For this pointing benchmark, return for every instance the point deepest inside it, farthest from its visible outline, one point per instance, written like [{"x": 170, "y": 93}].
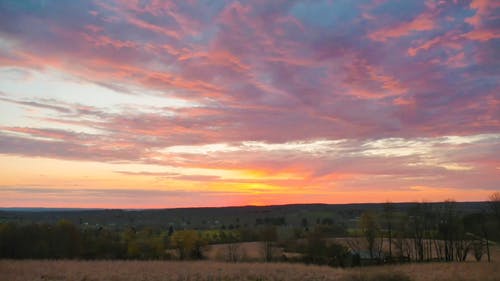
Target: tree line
[
  {"x": 424, "y": 232},
  {"x": 65, "y": 240},
  {"x": 428, "y": 233}
]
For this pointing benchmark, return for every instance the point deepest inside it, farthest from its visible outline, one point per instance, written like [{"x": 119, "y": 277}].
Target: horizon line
[{"x": 237, "y": 206}]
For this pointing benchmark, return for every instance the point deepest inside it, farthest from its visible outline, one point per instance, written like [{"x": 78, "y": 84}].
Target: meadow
[{"x": 28, "y": 270}]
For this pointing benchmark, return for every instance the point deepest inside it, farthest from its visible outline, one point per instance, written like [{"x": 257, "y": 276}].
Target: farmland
[{"x": 335, "y": 235}]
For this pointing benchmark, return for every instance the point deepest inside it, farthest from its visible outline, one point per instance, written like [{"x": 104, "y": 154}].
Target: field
[{"x": 207, "y": 270}]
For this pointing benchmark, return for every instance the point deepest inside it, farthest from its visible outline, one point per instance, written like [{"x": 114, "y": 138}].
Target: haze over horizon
[{"x": 162, "y": 104}]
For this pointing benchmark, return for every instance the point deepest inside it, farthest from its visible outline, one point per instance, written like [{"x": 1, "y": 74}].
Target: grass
[
  {"x": 378, "y": 276},
  {"x": 214, "y": 271}
]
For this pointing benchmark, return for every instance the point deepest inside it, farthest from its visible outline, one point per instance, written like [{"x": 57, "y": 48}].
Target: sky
[{"x": 159, "y": 104}]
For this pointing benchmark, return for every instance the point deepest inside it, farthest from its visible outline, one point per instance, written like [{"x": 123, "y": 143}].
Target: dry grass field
[
  {"x": 245, "y": 251},
  {"x": 207, "y": 270}
]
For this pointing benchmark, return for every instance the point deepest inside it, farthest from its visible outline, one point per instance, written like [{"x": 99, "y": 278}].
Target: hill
[{"x": 214, "y": 218}]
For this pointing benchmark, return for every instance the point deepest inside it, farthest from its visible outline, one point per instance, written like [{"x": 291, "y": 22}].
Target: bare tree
[
  {"x": 233, "y": 251},
  {"x": 494, "y": 204},
  {"x": 370, "y": 229},
  {"x": 417, "y": 230},
  {"x": 389, "y": 219},
  {"x": 484, "y": 229},
  {"x": 269, "y": 236},
  {"x": 478, "y": 249}
]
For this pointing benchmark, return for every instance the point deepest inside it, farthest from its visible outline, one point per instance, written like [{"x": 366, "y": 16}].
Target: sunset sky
[{"x": 156, "y": 104}]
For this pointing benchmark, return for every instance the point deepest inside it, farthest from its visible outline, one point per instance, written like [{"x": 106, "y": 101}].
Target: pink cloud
[
  {"x": 482, "y": 35},
  {"x": 422, "y": 22},
  {"x": 484, "y": 9}
]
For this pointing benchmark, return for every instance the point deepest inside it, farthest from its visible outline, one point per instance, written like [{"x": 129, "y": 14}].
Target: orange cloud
[
  {"x": 482, "y": 35},
  {"x": 370, "y": 82},
  {"x": 422, "y": 22},
  {"x": 483, "y": 10}
]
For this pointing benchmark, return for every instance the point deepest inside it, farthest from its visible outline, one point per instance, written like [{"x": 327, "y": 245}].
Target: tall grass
[
  {"x": 377, "y": 276},
  {"x": 215, "y": 271}
]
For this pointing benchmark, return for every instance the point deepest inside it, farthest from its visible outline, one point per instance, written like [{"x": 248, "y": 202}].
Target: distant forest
[{"x": 336, "y": 235}]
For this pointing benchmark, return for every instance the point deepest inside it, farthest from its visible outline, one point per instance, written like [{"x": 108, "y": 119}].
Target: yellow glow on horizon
[
  {"x": 25, "y": 171},
  {"x": 229, "y": 187}
]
